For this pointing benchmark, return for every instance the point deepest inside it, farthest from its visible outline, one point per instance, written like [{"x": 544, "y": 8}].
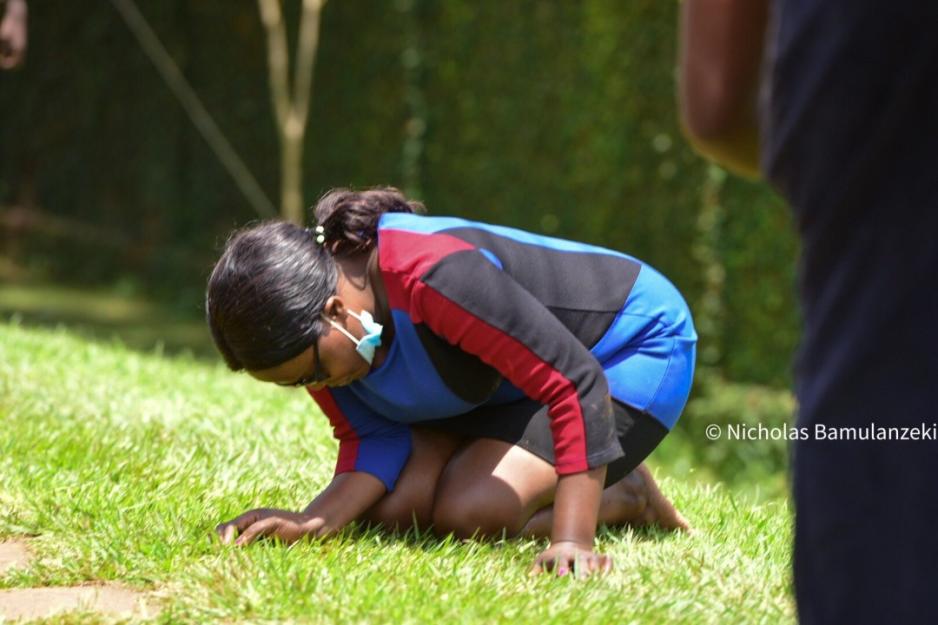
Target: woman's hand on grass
[
  {"x": 576, "y": 509},
  {"x": 565, "y": 557},
  {"x": 282, "y": 525},
  {"x": 345, "y": 499}
]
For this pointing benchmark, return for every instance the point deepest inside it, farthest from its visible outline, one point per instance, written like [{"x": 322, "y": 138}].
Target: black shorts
[{"x": 525, "y": 423}]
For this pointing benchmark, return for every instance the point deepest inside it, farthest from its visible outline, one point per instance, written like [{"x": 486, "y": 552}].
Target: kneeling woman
[{"x": 479, "y": 378}]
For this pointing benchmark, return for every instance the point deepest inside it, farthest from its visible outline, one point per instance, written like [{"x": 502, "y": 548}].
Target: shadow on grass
[
  {"x": 137, "y": 323},
  {"x": 426, "y": 540}
]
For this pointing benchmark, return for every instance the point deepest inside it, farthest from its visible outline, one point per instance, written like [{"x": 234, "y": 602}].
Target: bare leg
[
  {"x": 633, "y": 500},
  {"x": 492, "y": 488},
  {"x": 412, "y": 498}
]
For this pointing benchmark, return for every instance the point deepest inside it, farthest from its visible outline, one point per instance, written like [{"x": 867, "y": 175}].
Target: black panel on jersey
[
  {"x": 468, "y": 279},
  {"x": 469, "y": 378},
  {"x": 585, "y": 291},
  {"x": 525, "y": 423}
]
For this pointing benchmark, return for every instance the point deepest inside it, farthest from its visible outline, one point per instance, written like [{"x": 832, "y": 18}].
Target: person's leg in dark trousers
[{"x": 866, "y": 548}]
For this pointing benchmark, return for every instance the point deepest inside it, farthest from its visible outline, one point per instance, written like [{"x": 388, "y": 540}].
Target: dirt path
[
  {"x": 32, "y": 603},
  {"x": 12, "y": 553}
]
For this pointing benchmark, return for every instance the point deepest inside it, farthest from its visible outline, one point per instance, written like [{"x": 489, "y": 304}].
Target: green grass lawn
[
  {"x": 104, "y": 313},
  {"x": 121, "y": 463}
]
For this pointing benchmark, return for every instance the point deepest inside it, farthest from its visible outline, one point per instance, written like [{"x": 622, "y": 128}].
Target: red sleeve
[{"x": 473, "y": 304}]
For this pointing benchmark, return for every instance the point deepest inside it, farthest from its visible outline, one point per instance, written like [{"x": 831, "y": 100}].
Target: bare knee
[
  {"x": 468, "y": 521},
  {"x": 411, "y": 502},
  {"x": 402, "y": 512},
  {"x": 490, "y": 488},
  {"x": 468, "y": 513}
]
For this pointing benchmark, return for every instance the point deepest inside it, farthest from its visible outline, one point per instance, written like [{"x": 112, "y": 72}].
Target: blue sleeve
[{"x": 368, "y": 442}]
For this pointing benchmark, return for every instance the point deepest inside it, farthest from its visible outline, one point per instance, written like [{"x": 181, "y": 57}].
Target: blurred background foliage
[{"x": 558, "y": 117}]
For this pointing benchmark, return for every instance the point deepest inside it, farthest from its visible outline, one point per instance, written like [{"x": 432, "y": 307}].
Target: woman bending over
[{"x": 478, "y": 378}]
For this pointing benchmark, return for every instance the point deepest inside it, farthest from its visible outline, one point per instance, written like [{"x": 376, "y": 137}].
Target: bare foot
[
  {"x": 634, "y": 500},
  {"x": 638, "y": 501}
]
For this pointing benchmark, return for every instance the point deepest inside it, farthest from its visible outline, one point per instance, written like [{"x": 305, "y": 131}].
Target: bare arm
[
  {"x": 576, "y": 512},
  {"x": 576, "y": 506},
  {"x": 720, "y": 59},
  {"x": 346, "y": 498},
  {"x": 13, "y": 34}
]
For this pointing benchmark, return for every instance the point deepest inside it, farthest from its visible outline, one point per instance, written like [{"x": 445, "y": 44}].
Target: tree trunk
[
  {"x": 291, "y": 106},
  {"x": 291, "y": 174}
]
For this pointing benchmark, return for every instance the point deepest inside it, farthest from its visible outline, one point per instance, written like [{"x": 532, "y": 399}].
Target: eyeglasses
[{"x": 318, "y": 376}]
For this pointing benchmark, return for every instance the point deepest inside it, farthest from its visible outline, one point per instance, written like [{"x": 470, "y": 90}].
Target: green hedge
[
  {"x": 749, "y": 447},
  {"x": 557, "y": 117}
]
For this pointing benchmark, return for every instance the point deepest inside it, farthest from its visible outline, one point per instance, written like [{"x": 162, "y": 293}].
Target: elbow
[
  {"x": 712, "y": 112},
  {"x": 720, "y": 123},
  {"x": 720, "y": 61}
]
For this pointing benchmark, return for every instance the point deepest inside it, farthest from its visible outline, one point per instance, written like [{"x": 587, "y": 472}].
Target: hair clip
[{"x": 320, "y": 235}]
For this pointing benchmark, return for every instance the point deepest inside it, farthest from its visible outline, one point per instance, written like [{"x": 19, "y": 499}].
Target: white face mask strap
[{"x": 342, "y": 330}]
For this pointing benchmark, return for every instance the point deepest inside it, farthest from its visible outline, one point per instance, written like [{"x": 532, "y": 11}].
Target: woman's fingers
[
  {"x": 264, "y": 527},
  {"x": 596, "y": 563},
  {"x": 283, "y": 524},
  {"x": 230, "y": 529},
  {"x": 605, "y": 563},
  {"x": 227, "y": 532},
  {"x": 581, "y": 564}
]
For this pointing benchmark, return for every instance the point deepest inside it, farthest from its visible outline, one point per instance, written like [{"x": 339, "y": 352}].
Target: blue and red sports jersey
[{"x": 486, "y": 314}]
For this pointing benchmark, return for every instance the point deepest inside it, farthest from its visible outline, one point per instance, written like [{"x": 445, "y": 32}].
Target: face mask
[{"x": 372, "y": 339}]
